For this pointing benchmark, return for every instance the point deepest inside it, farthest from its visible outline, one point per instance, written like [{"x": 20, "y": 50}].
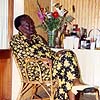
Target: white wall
[
  {"x": 18, "y": 9},
  {"x": 16, "y": 83}
]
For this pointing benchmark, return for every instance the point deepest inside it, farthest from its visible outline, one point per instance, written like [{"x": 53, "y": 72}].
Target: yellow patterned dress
[{"x": 65, "y": 65}]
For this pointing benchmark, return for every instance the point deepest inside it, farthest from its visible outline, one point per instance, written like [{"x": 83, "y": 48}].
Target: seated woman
[{"x": 27, "y": 43}]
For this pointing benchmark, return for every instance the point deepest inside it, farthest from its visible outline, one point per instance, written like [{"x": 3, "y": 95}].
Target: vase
[{"x": 51, "y": 39}]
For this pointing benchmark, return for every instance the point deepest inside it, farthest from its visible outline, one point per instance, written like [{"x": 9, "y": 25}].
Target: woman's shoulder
[{"x": 41, "y": 38}]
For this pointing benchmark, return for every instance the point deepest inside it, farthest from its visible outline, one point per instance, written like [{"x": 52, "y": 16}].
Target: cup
[
  {"x": 68, "y": 42},
  {"x": 76, "y": 43},
  {"x": 92, "y": 46}
]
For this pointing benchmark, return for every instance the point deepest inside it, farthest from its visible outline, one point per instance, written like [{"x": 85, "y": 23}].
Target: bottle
[
  {"x": 83, "y": 41},
  {"x": 74, "y": 30},
  {"x": 63, "y": 35}
]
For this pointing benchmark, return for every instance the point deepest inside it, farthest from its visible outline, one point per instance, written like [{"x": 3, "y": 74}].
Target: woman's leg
[
  {"x": 77, "y": 82},
  {"x": 66, "y": 69},
  {"x": 71, "y": 95}
]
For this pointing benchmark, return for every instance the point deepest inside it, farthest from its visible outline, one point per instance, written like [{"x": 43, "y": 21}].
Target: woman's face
[{"x": 27, "y": 26}]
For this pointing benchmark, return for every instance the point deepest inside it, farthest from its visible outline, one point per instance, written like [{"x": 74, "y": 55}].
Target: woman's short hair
[{"x": 17, "y": 21}]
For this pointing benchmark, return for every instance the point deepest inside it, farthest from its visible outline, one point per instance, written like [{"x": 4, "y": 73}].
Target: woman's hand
[
  {"x": 59, "y": 53},
  {"x": 47, "y": 62}
]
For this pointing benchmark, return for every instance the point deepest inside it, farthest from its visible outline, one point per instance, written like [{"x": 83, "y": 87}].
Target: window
[{"x": 3, "y": 24}]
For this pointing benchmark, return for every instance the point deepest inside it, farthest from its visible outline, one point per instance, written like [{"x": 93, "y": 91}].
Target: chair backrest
[
  {"x": 38, "y": 64},
  {"x": 42, "y": 81}
]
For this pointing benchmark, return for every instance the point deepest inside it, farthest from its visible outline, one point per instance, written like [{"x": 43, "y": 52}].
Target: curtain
[{"x": 3, "y": 24}]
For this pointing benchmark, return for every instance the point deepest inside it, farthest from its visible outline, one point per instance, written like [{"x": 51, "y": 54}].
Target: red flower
[{"x": 55, "y": 14}]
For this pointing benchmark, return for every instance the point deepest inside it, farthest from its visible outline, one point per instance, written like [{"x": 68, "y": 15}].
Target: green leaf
[{"x": 69, "y": 18}]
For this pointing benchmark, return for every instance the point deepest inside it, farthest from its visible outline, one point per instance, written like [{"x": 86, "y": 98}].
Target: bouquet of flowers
[{"x": 54, "y": 20}]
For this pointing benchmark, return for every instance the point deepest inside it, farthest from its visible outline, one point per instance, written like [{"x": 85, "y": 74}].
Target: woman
[{"x": 27, "y": 43}]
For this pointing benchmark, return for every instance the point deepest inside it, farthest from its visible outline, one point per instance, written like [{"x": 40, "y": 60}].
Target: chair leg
[
  {"x": 34, "y": 93},
  {"x": 24, "y": 85},
  {"x": 24, "y": 90}
]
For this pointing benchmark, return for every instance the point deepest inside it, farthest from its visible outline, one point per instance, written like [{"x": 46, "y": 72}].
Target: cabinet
[{"x": 5, "y": 74}]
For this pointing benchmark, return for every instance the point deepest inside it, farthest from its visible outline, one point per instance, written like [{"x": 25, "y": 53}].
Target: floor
[
  {"x": 85, "y": 97},
  {"x": 88, "y": 97}
]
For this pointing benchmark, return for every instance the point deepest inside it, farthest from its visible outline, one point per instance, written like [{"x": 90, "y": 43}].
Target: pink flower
[{"x": 41, "y": 15}]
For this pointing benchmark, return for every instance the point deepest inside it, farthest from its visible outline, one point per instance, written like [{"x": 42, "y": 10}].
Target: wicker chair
[{"x": 48, "y": 86}]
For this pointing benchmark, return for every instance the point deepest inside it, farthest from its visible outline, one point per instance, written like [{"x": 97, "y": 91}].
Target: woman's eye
[{"x": 27, "y": 25}]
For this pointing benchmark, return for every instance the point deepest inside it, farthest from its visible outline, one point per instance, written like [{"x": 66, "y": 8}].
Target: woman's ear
[{"x": 19, "y": 28}]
